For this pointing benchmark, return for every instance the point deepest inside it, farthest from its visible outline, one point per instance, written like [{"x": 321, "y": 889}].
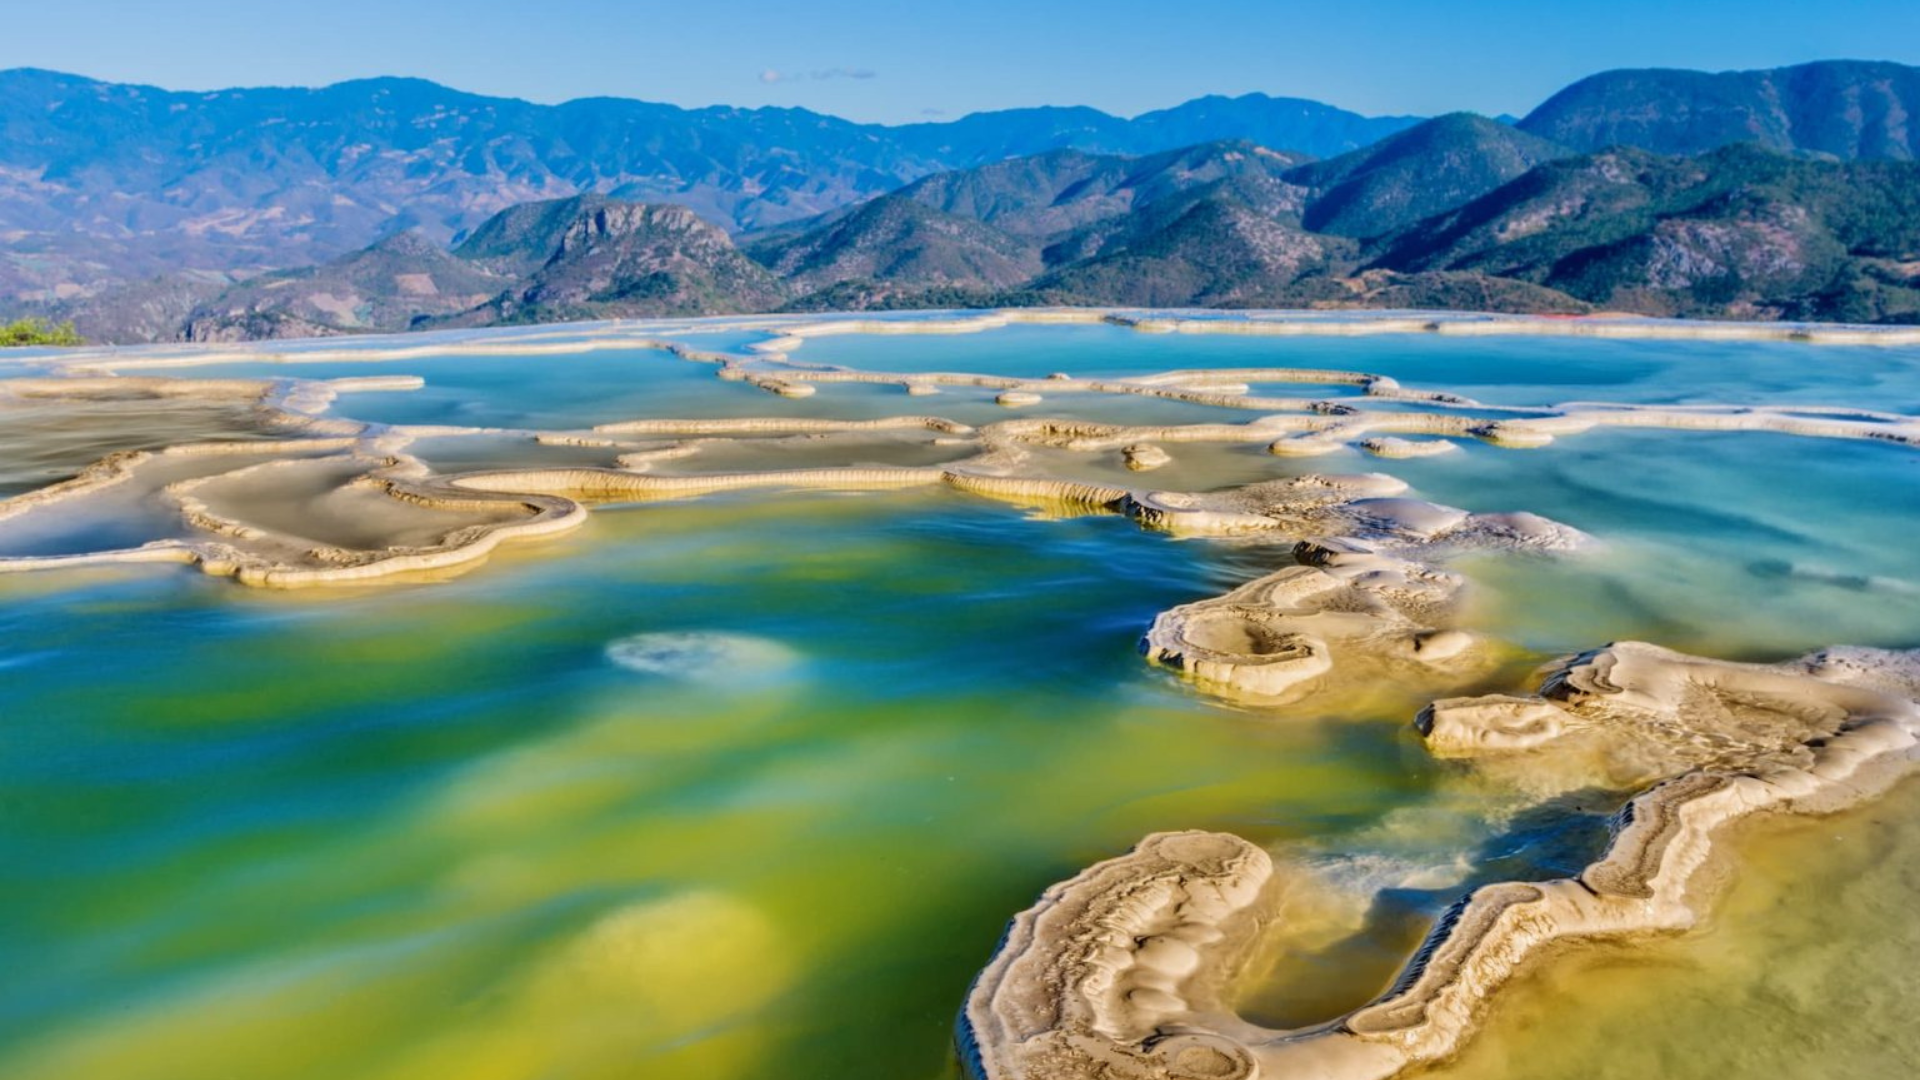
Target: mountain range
[
  {"x": 102, "y": 182},
  {"x": 149, "y": 215},
  {"x": 1838, "y": 108}
]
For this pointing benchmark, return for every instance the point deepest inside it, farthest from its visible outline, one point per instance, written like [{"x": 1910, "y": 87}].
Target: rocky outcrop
[
  {"x": 1427, "y": 169},
  {"x": 897, "y": 241},
  {"x": 1344, "y": 613},
  {"x": 582, "y": 257},
  {"x": 1121, "y": 972},
  {"x": 614, "y": 259},
  {"x": 383, "y": 289},
  {"x": 1363, "y": 530}
]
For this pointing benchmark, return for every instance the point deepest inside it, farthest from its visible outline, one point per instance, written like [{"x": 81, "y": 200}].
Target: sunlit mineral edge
[
  {"x": 1122, "y": 971},
  {"x": 1291, "y": 426},
  {"x": 787, "y": 333}
]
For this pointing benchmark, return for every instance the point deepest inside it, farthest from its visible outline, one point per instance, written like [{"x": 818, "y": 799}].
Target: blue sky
[{"x": 905, "y": 61}]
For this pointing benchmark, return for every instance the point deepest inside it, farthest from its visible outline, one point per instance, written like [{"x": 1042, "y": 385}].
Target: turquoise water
[
  {"x": 1499, "y": 370},
  {"x": 583, "y": 389},
  {"x": 1734, "y": 544},
  {"x": 571, "y": 390},
  {"x": 748, "y": 786}
]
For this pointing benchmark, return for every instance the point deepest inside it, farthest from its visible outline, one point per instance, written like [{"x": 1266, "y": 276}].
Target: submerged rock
[
  {"x": 714, "y": 659},
  {"x": 1141, "y": 457}
]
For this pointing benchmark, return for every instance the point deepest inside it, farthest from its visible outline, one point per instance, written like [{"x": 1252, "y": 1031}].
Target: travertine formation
[
  {"x": 661, "y": 458},
  {"x": 1357, "y": 603},
  {"x": 1122, "y": 972},
  {"x": 1142, "y": 457},
  {"x": 356, "y": 480},
  {"x": 992, "y": 461},
  {"x": 1274, "y": 640},
  {"x": 644, "y": 451}
]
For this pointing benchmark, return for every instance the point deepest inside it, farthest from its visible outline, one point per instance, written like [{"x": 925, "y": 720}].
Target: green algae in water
[
  {"x": 445, "y": 830},
  {"x": 372, "y": 835},
  {"x": 1804, "y": 970}
]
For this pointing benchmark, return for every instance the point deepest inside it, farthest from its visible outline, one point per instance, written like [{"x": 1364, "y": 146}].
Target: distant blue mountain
[
  {"x": 102, "y": 181},
  {"x": 133, "y": 209},
  {"x": 1846, "y": 109}
]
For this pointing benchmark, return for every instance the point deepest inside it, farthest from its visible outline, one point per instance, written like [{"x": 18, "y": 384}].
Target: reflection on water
[
  {"x": 748, "y": 786},
  {"x": 43, "y": 442}
]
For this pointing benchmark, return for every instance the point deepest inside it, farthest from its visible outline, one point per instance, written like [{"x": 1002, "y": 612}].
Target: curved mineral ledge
[
  {"x": 780, "y": 425},
  {"x": 120, "y": 467},
  {"x": 615, "y": 484},
  {"x": 1392, "y": 446},
  {"x": 1093, "y": 980},
  {"x": 229, "y": 544},
  {"x": 1367, "y": 507},
  {"x": 1305, "y": 506},
  {"x": 1144, "y": 457},
  {"x": 1272, "y": 640},
  {"x": 1354, "y": 324},
  {"x": 1118, "y": 974},
  {"x": 1311, "y": 506},
  {"x": 1307, "y": 426}
]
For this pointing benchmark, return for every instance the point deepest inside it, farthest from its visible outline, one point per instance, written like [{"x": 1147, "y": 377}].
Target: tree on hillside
[{"x": 32, "y": 331}]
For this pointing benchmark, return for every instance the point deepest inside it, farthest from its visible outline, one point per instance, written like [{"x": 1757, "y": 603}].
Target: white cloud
[{"x": 775, "y": 75}]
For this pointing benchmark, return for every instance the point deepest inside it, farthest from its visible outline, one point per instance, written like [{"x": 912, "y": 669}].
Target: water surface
[{"x": 748, "y": 786}]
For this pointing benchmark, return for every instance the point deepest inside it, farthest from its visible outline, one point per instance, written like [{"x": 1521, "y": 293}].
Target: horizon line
[{"x": 928, "y": 122}]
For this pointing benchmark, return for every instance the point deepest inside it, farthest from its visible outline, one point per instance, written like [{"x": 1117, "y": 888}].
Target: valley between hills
[{"x": 1790, "y": 194}]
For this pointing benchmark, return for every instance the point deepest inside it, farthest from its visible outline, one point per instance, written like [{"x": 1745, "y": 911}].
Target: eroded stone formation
[
  {"x": 1273, "y": 640},
  {"x": 1358, "y": 599},
  {"x": 1121, "y": 972},
  {"x": 662, "y": 458}
]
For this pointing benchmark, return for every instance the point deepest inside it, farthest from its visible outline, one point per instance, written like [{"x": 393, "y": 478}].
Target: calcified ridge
[
  {"x": 262, "y": 556},
  {"x": 658, "y": 458},
  {"x": 1125, "y": 970},
  {"x": 1121, "y": 972},
  {"x": 1272, "y": 641},
  {"x": 785, "y": 334}
]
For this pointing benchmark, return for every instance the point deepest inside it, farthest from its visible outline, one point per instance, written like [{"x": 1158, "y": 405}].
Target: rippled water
[{"x": 747, "y": 786}]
